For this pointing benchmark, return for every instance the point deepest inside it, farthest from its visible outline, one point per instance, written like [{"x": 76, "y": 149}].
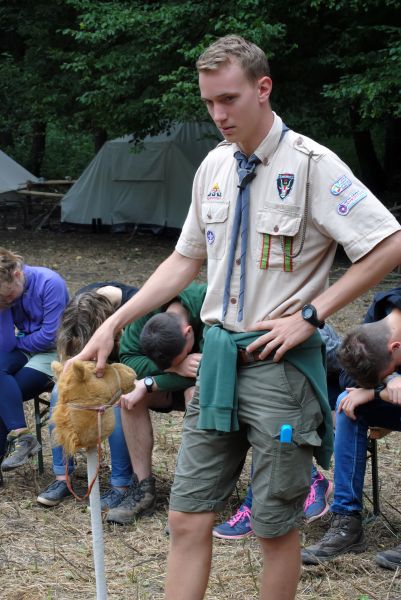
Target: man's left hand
[
  {"x": 393, "y": 389},
  {"x": 284, "y": 333}
]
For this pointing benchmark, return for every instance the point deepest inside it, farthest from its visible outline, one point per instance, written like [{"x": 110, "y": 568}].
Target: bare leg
[
  {"x": 281, "y": 566},
  {"x": 190, "y": 555},
  {"x": 138, "y": 432}
]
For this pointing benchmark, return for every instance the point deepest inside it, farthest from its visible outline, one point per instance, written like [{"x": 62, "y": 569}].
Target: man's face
[
  {"x": 10, "y": 292},
  {"x": 236, "y": 104},
  {"x": 188, "y": 333}
]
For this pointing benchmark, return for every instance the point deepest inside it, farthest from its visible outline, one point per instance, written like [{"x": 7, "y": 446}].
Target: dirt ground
[{"x": 46, "y": 554}]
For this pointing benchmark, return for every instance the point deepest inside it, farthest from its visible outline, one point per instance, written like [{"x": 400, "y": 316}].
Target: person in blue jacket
[{"x": 32, "y": 300}]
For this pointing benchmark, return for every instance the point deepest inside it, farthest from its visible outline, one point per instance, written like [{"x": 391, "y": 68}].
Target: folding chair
[{"x": 42, "y": 409}]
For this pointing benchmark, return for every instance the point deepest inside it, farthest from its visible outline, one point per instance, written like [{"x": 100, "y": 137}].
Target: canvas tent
[
  {"x": 12, "y": 177},
  {"x": 149, "y": 187}
]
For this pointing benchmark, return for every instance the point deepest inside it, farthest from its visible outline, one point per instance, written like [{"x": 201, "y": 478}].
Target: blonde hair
[
  {"x": 250, "y": 57},
  {"x": 82, "y": 316},
  {"x": 9, "y": 263}
]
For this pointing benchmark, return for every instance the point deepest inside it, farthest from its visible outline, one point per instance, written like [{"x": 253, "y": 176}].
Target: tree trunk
[
  {"x": 99, "y": 138},
  {"x": 371, "y": 169},
  {"x": 38, "y": 147},
  {"x": 392, "y": 154}
]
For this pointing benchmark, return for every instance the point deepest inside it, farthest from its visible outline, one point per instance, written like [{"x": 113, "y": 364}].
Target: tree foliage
[{"x": 116, "y": 66}]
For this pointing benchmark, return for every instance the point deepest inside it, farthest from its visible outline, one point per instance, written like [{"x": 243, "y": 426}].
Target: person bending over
[
  {"x": 87, "y": 310},
  {"x": 32, "y": 300},
  {"x": 164, "y": 351},
  {"x": 371, "y": 358}
]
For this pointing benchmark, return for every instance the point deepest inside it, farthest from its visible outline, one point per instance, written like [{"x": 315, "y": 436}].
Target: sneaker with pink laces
[
  {"x": 317, "y": 502},
  {"x": 237, "y": 527}
]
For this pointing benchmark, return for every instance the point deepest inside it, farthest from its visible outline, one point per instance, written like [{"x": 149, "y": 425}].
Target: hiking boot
[
  {"x": 55, "y": 493},
  {"x": 112, "y": 498},
  {"x": 345, "y": 535},
  {"x": 317, "y": 503},
  {"x": 21, "y": 446},
  {"x": 237, "y": 527},
  {"x": 139, "y": 501},
  {"x": 390, "y": 559}
]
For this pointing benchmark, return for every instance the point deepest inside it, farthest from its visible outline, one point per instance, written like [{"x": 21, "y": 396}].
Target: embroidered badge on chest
[
  {"x": 210, "y": 236},
  {"x": 285, "y": 182},
  {"x": 215, "y": 193},
  {"x": 345, "y": 205},
  {"x": 340, "y": 184}
]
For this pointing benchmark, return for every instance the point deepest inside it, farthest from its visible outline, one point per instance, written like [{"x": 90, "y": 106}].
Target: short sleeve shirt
[{"x": 292, "y": 234}]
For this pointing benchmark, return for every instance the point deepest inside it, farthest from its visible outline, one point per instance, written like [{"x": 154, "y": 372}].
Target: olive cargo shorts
[{"x": 210, "y": 462}]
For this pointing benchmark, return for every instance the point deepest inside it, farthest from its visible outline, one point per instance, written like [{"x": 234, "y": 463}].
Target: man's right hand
[
  {"x": 129, "y": 401},
  {"x": 188, "y": 367},
  {"x": 98, "y": 348}
]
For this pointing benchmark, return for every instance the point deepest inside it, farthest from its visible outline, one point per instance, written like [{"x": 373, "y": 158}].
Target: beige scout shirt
[{"x": 340, "y": 210}]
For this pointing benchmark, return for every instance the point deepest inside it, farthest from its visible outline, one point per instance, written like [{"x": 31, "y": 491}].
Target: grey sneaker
[
  {"x": 112, "y": 498},
  {"x": 21, "y": 447},
  {"x": 139, "y": 501},
  {"x": 390, "y": 559},
  {"x": 345, "y": 535},
  {"x": 55, "y": 493}
]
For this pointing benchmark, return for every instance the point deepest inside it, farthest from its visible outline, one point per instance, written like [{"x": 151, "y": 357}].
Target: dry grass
[{"x": 46, "y": 554}]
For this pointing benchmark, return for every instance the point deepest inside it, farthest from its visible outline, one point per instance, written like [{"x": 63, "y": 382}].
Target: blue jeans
[
  {"x": 121, "y": 469},
  {"x": 350, "y": 451}
]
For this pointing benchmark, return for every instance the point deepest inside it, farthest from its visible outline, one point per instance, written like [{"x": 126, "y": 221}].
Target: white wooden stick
[{"x": 97, "y": 528}]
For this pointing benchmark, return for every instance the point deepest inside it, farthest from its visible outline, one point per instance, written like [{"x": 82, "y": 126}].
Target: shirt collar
[{"x": 269, "y": 144}]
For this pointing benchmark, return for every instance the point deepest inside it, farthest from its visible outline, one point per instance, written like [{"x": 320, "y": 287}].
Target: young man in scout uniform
[{"x": 265, "y": 297}]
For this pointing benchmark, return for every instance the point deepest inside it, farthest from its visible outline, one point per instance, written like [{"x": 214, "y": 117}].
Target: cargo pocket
[
  {"x": 215, "y": 217},
  {"x": 277, "y": 236},
  {"x": 291, "y": 467}
]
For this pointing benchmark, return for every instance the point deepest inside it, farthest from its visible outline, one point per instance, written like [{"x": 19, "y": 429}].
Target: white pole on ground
[{"x": 97, "y": 528}]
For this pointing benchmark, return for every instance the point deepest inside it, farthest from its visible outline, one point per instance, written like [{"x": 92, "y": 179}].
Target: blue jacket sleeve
[{"x": 54, "y": 300}]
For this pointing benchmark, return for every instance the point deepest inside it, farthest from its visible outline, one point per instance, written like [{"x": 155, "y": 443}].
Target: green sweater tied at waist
[{"x": 218, "y": 382}]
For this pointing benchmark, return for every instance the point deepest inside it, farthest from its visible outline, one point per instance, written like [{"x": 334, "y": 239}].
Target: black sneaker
[
  {"x": 345, "y": 535},
  {"x": 55, "y": 493},
  {"x": 21, "y": 446},
  {"x": 390, "y": 559},
  {"x": 140, "y": 501}
]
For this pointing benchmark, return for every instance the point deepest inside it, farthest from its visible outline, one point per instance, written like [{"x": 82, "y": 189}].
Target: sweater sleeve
[
  {"x": 132, "y": 356},
  {"x": 54, "y": 299}
]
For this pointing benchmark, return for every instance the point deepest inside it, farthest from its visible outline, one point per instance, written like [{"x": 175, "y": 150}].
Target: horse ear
[
  {"x": 56, "y": 368},
  {"x": 79, "y": 370}
]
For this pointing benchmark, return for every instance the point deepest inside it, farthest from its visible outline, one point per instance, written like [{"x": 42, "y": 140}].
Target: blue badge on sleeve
[
  {"x": 210, "y": 237},
  {"x": 285, "y": 181},
  {"x": 341, "y": 184},
  {"x": 345, "y": 205}
]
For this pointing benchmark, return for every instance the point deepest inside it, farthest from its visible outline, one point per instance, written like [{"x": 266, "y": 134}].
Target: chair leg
[
  {"x": 38, "y": 425},
  {"x": 41, "y": 418},
  {"x": 375, "y": 477}
]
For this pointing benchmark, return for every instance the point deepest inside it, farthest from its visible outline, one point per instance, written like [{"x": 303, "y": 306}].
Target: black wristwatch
[
  {"x": 309, "y": 313},
  {"x": 379, "y": 388},
  {"x": 149, "y": 381}
]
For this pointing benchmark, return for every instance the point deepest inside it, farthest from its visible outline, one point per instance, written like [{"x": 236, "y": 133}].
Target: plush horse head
[{"x": 80, "y": 394}]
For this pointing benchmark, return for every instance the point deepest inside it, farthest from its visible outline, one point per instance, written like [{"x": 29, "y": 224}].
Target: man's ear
[{"x": 265, "y": 88}]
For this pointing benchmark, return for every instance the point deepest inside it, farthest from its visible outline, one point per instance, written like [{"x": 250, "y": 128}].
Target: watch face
[
  {"x": 308, "y": 312},
  {"x": 148, "y": 381}
]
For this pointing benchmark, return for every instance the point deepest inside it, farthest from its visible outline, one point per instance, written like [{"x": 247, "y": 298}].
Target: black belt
[{"x": 245, "y": 358}]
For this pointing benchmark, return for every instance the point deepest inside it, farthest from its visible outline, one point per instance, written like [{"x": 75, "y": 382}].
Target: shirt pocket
[
  {"x": 215, "y": 218},
  {"x": 277, "y": 236}
]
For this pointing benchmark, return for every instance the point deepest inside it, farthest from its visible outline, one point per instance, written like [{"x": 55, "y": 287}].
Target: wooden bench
[
  {"x": 375, "y": 433},
  {"x": 42, "y": 409}
]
